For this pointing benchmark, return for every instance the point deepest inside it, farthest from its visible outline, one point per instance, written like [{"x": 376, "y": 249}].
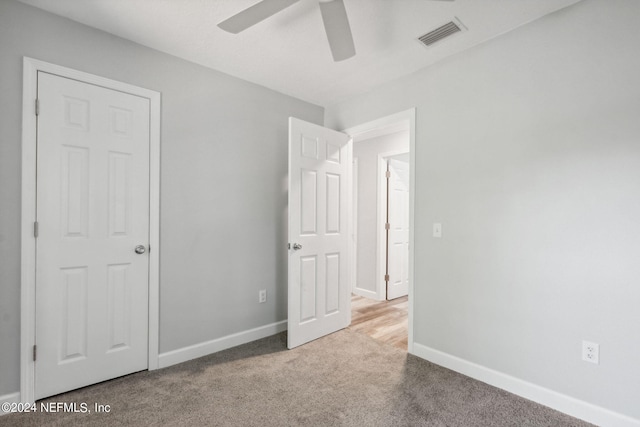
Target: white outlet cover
[{"x": 591, "y": 352}]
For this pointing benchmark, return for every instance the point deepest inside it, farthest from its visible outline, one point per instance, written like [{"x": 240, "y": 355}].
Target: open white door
[
  {"x": 398, "y": 237},
  {"x": 319, "y": 292}
]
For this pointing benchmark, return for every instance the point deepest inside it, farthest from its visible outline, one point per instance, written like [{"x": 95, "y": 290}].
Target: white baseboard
[
  {"x": 558, "y": 401},
  {"x": 203, "y": 349},
  {"x": 366, "y": 293},
  {"x": 9, "y": 398}
]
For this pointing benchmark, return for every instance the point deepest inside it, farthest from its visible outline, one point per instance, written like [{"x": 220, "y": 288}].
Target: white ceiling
[{"x": 289, "y": 53}]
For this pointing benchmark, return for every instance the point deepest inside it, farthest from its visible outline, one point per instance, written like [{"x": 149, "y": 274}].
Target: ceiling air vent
[{"x": 442, "y": 32}]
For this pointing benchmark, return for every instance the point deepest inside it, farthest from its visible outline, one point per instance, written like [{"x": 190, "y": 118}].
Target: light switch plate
[{"x": 437, "y": 229}]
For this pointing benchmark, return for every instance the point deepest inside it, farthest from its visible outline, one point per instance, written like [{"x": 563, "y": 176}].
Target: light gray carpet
[{"x": 345, "y": 379}]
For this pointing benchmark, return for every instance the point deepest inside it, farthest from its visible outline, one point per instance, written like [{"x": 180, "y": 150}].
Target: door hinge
[
  {"x": 386, "y": 277},
  {"x": 387, "y": 226},
  {"x": 35, "y": 229},
  {"x": 34, "y": 353},
  {"x": 388, "y": 174},
  {"x": 37, "y": 107}
]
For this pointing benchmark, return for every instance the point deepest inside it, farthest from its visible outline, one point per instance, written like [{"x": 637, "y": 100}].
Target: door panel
[
  {"x": 120, "y": 202},
  {"x": 398, "y": 244},
  {"x": 119, "y": 307},
  {"x": 73, "y": 316},
  {"x": 319, "y": 295},
  {"x": 92, "y": 210}
]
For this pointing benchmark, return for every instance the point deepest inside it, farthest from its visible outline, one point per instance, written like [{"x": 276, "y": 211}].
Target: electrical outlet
[
  {"x": 262, "y": 296},
  {"x": 591, "y": 352}
]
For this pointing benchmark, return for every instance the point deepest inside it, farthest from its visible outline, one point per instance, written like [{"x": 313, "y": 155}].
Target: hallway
[{"x": 384, "y": 321}]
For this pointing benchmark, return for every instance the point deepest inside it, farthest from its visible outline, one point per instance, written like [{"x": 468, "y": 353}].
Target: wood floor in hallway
[{"x": 385, "y": 321}]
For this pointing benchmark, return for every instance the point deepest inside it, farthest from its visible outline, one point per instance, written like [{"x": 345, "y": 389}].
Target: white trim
[
  {"x": 558, "y": 401},
  {"x": 203, "y": 349},
  {"x": 155, "y": 115},
  {"x": 350, "y": 266},
  {"x": 9, "y": 398},
  {"x": 353, "y": 227},
  {"x": 366, "y": 293},
  {"x": 381, "y": 235},
  {"x": 28, "y": 243},
  {"x": 382, "y": 126},
  {"x": 390, "y": 123},
  {"x": 27, "y": 294},
  {"x": 385, "y": 129}
]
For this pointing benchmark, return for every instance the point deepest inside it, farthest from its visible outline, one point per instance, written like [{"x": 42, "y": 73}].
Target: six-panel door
[
  {"x": 319, "y": 292},
  {"x": 92, "y": 210}
]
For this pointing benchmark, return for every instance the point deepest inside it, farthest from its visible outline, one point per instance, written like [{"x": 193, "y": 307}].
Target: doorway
[
  {"x": 320, "y": 216},
  {"x": 376, "y": 143},
  {"x": 90, "y": 216}
]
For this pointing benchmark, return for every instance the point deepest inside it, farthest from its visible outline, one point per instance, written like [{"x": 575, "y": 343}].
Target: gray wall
[
  {"x": 224, "y": 166},
  {"x": 367, "y": 153},
  {"x": 528, "y": 152}
]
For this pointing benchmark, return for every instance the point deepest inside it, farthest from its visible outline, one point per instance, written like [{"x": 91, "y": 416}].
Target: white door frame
[
  {"x": 353, "y": 226},
  {"x": 381, "y": 234},
  {"x": 28, "y": 252},
  {"x": 370, "y": 128}
]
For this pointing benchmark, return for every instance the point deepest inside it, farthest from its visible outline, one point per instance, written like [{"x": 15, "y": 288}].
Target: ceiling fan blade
[
  {"x": 336, "y": 25},
  {"x": 254, "y": 14}
]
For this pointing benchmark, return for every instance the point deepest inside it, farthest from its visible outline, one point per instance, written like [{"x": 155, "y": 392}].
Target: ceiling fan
[{"x": 334, "y": 17}]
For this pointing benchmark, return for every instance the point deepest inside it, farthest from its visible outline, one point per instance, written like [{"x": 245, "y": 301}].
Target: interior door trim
[
  {"x": 371, "y": 129},
  {"x": 31, "y": 67}
]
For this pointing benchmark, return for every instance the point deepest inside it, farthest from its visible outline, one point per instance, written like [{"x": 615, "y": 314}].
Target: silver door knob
[
  {"x": 297, "y": 246},
  {"x": 140, "y": 249}
]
